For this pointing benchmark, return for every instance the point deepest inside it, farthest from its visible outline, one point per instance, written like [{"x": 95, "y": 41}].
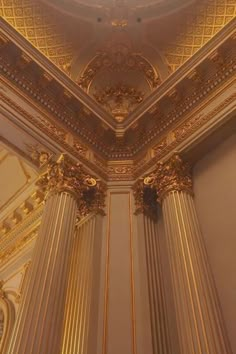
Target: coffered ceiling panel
[
  {"x": 43, "y": 28},
  {"x": 183, "y": 38},
  {"x": 176, "y": 32}
]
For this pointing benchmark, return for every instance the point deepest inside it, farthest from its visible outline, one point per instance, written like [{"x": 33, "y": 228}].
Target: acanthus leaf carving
[
  {"x": 170, "y": 176},
  {"x": 63, "y": 175}
]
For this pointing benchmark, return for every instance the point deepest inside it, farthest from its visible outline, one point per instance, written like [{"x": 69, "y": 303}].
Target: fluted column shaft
[
  {"x": 200, "y": 325},
  {"x": 39, "y": 322},
  {"x": 79, "y": 293},
  {"x": 199, "y": 321},
  {"x": 155, "y": 285}
]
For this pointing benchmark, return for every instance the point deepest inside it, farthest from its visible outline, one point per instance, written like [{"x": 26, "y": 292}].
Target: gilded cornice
[
  {"x": 130, "y": 169},
  {"x": 76, "y": 148},
  {"x": 176, "y": 115},
  {"x": 185, "y": 131},
  {"x": 160, "y": 118},
  {"x": 106, "y": 132},
  {"x": 49, "y": 73},
  {"x": 196, "y": 64},
  {"x": 183, "y": 106}
]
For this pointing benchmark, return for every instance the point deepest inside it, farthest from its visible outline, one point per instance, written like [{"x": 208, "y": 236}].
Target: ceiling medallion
[{"x": 119, "y": 100}]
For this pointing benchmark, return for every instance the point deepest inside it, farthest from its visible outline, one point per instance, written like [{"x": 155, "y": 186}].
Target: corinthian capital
[
  {"x": 63, "y": 175},
  {"x": 145, "y": 199},
  {"x": 172, "y": 175}
]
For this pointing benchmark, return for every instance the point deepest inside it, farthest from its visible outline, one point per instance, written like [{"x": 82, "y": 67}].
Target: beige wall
[
  {"x": 215, "y": 197},
  {"x": 124, "y": 317}
]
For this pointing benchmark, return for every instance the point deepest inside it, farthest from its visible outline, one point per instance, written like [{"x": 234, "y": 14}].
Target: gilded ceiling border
[
  {"x": 188, "y": 105},
  {"x": 188, "y": 129},
  {"x": 130, "y": 169},
  {"x": 87, "y": 101},
  {"x": 59, "y": 136},
  {"x": 55, "y": 73}
]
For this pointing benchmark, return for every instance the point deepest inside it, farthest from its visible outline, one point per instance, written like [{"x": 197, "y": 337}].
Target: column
[
  {"x": 200, "y": 325},
  {"x": 151, "y": 267},
  {"x": 39, "y": 322},
  {"x": 80, "y": 320}
]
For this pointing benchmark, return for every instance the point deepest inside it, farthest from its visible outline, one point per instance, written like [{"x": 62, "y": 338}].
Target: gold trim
[
  {"x": 106, "y": 292},
  {"x": 132, "y": 278}
]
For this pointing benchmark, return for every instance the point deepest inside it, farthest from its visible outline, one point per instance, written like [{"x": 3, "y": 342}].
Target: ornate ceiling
[
  {"x": 106, "y": 90},
  {"x": 118, "y": 52}
]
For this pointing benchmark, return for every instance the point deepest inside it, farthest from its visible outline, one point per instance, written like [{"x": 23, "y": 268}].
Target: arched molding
[{"x": 9, "y": 319}]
